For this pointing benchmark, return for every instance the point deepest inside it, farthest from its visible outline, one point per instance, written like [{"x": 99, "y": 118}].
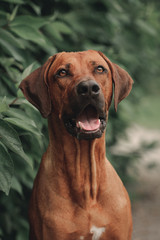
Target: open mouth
[
  {"x": 88, "y": 120},
  {"x": 90, "y": 123}
]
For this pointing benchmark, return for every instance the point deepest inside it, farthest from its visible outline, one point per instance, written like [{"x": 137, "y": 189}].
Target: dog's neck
[{"x": 77, "y": 166}]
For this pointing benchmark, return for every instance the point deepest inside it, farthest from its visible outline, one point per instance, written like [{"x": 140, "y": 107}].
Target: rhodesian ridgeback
[{"x": 77, "y": 194}]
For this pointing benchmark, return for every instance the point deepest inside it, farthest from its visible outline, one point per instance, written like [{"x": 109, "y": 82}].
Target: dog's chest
[{"x": 81, "y": 224}]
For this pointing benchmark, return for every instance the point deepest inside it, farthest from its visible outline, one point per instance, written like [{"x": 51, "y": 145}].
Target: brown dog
[{"x": 77, "y": 194}]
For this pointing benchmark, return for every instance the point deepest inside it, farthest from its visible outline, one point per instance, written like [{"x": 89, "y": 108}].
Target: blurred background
[{"x": 128, "y": 32}]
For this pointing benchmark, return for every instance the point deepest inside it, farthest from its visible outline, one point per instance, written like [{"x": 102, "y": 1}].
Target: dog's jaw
[{"x": 89, "y": 124}]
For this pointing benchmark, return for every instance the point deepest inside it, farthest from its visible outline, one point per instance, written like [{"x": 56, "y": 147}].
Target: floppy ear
[
  {"x": 35, "y": 88},
  {"x": 121, "y": 79}
]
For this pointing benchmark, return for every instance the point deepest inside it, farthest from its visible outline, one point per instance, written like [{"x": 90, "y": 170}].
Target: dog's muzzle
[{"x": 88, "y": 120}]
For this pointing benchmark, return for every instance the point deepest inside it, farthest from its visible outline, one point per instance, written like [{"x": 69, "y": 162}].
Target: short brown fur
[{"x": 76, "y": 187}]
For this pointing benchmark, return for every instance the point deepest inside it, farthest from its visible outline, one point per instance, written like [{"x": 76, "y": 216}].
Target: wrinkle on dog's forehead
[{"x": 78, "y": 59}]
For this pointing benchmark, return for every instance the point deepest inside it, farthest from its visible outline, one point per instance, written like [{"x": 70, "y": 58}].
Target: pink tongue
[{"x": 88, "y": 120}]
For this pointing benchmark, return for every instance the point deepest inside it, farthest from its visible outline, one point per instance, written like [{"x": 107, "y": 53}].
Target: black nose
[{"x": 88, "y": 88}]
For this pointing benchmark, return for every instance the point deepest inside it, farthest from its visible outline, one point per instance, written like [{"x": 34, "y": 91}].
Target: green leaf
[
  {"x": 10, "y": 87},
  {"x": 28, "y": 33},
  {"x": 10, "y": 138},
  {"x": 24, "y": 125},
  {"x": 19, "y": 114},
  {"x": 10, "y": 38},
  {"x": 27, "y": 70},
  {"x": 48, "y": 47},
  {"x": 27, "y": 20},
  {"x": 57, "y": 28},
  {"x": 3, "y": 105},
  {"x": 16, "y": 185},
  {"x": 6, "y": 170},
  {"x": 13, "y": 15},
  {"x": 145, "y": 27},
  {"x": 10, "y": 49},
  {"x": 19, "y": 93},
  {"x": 53, "y": 32},
  {"x": 7, "y": 62},
  {"x": 35, "y": 7},
  {"x": 62, "y": 27}
]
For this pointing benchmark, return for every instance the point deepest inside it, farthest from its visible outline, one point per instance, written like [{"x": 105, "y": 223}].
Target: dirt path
[
  {"x": 146, "y": 213},
  {"x": 146, "y": 209}
]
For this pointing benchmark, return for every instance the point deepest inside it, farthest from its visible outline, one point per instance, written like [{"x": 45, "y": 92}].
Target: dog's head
[{"x": 77, "y": 87}]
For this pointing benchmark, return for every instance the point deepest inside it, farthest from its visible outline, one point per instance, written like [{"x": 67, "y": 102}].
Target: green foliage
[
  {"x": 10, "y": 138},
  {"x": 126, "y": 31},
  {"x": 6, "y": 172}
]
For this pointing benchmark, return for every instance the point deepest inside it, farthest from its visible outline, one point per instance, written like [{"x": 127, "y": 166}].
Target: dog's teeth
[{"x": 80, "y": 125}]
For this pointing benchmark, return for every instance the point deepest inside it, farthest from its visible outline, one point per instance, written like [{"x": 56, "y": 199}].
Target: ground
[{"x": 146, "y": 206}]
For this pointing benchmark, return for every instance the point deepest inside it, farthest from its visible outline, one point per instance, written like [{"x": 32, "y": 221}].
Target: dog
[{"x": 77, "y": 194}]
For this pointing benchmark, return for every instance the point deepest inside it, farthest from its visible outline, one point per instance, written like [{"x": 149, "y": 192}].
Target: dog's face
[
  {"x": 80, "y": 86},
  {"x": 77, "y": 87}
]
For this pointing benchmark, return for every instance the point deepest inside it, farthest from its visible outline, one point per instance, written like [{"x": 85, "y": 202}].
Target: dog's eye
[
  {"x": 100, "y": 69},
  {"x": 62, "y": 73}
]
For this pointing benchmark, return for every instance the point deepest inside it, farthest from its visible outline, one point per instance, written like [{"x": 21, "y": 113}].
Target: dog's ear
[
  {"x": 35, "y": 88},
  {"x": 121, "y": 79}
]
